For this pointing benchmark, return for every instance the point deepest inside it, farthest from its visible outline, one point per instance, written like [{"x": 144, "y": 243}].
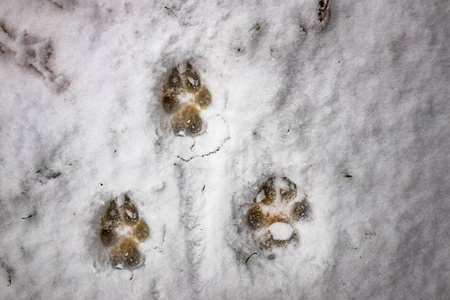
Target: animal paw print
[
  {"x": 31, "y": 52},
  {"x": 122, "y": 232},
  {"x": 184, "y": 98},
  {"x": 275, "y": 210}
]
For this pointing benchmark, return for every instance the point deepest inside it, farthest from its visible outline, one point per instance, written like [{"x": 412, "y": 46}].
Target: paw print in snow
[
  {"x": 122, "y": 232},
  {"x": 184, "y": 98},
  {"x": 275, "y": 210},
  {"x": 32, "y": 52}
]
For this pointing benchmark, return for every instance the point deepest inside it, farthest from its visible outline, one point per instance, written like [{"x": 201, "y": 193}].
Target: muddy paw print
[
  {"x": 122, "y": 232},
  {"x": 275, "y": 210},
  {"x": 184, "y": 98}
]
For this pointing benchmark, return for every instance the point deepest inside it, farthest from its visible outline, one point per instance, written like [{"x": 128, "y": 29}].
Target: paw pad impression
[
  {"x": 184, "y": 98},
  {"x": 274, "y": 211},
  {"x": 122, "y": 232}
]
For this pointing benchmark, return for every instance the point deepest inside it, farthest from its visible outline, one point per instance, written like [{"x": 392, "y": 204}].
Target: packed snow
[
  {"x": 347, "y": 102},
  {"x": 281, "y": 231}
]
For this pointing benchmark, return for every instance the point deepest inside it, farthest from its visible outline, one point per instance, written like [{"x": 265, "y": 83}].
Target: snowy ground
[{"x": 364, "y": 93}]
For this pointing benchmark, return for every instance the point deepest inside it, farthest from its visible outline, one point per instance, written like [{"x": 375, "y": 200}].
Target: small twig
[
  {"x": 246, "y": 260},
  {"x": 58, "y": 5},
  {"x": 326, "y": 5},
  {"x": 323, "y": 10}
]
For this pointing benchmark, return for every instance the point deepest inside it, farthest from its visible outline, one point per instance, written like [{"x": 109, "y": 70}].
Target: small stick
[
  {"x": 246, "y": 260},
  {"x": 326, "y": 5},
  {"x": 323, "y": 11}
]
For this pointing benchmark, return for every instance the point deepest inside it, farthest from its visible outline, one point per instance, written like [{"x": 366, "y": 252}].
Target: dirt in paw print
[
  {"x": 184, "y": 98},
  {"x": 122, "y": 232},
  {"x": 275, "y": 210}
]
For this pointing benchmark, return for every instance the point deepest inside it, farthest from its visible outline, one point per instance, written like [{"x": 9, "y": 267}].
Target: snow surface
[
  {"x": 281, "y": 231},
  {"x": 364, "y": 93}
]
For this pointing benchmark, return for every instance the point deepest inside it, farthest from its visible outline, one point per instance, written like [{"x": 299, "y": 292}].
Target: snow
[
  {"x": 362, "y": 93},
  {"x": 281, "y": 231},
  {"x": 261, "y": 195}
]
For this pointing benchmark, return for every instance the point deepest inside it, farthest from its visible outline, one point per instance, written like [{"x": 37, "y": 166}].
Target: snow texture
[
  {"x": 281, "y": 231},
  {"x": 353, "y": 109}
]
